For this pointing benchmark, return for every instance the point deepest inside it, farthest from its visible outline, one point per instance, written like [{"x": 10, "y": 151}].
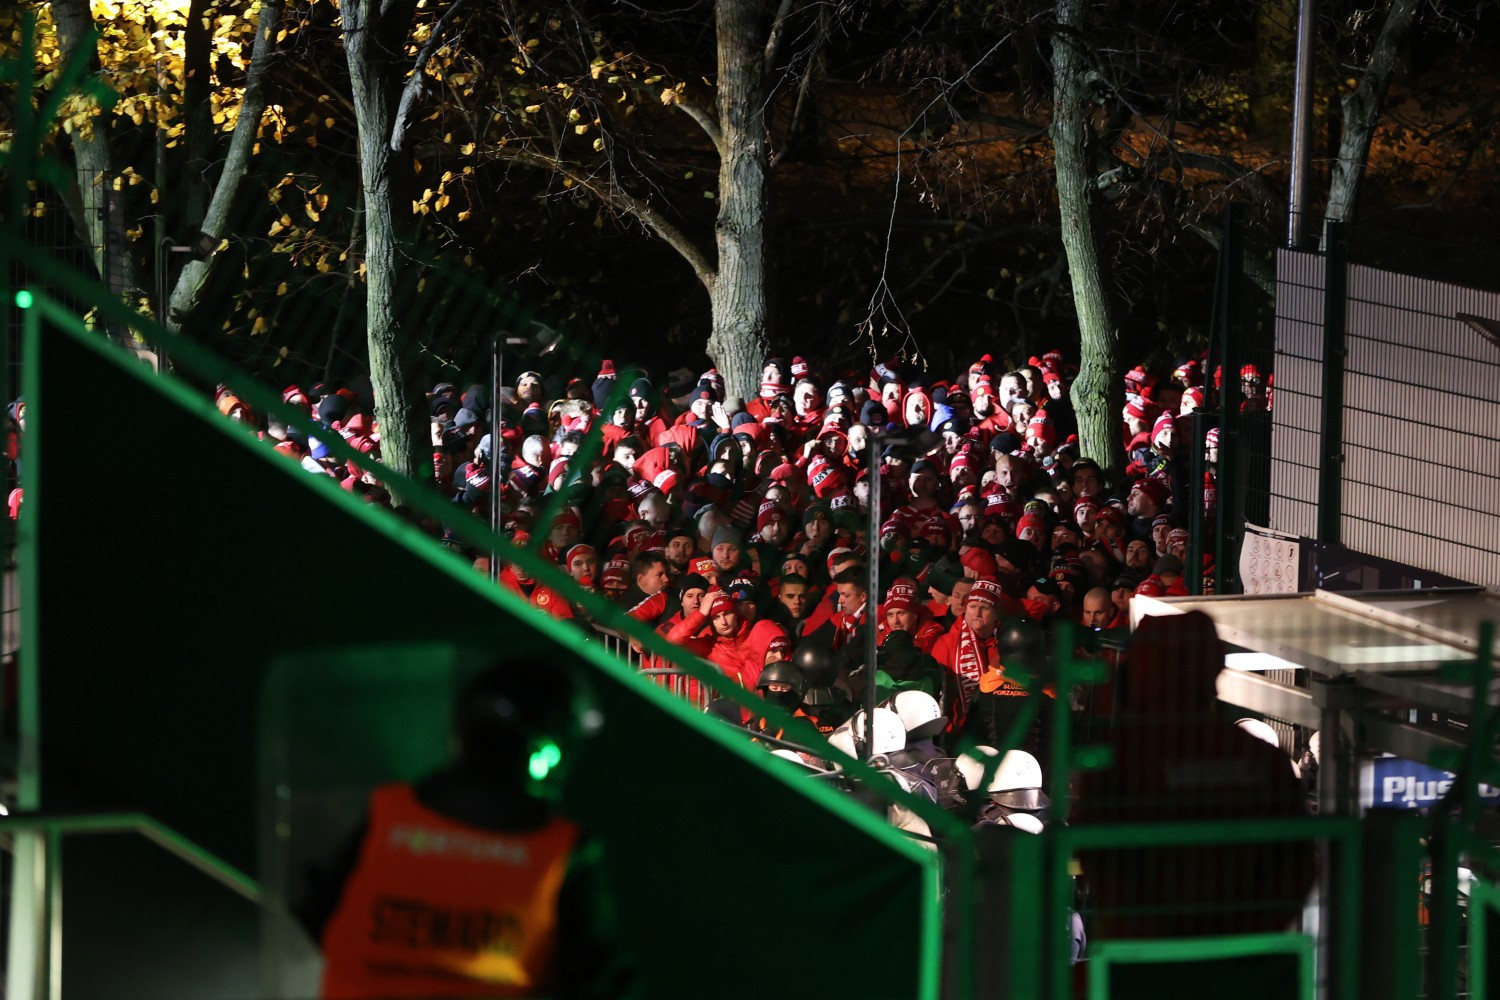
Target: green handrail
[{"x": 38, "y": 974}]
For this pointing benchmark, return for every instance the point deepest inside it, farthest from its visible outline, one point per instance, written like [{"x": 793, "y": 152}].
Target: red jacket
[
  {"x": 728, "y": 653},
  {"x": 540, "y": 595}
]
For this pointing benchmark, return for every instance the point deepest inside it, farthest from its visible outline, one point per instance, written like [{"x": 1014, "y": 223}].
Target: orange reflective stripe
[{"x": 437, "y": 908}]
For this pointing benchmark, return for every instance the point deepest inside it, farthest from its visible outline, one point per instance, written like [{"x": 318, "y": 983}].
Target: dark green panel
[{"x": 179, "y": 558}]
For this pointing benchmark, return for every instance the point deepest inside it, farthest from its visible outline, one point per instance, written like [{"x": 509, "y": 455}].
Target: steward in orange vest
[{"x": 469, "y": 884}]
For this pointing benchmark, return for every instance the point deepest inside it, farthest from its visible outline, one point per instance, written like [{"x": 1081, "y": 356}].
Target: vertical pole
[
  {"x": 53, "y": 875},
  {"x": 1335, "y": 303},
  {"x": 1302, "y": 111},
  {"x": 1197, "y": 440},
  {"x": 1059, "y": 877},
  {"x": 1227, "y": 303},
  {"x": 872, "y": 542},
  {"x": 497, "y": 376},
  {"x": 27, "y": 957}
]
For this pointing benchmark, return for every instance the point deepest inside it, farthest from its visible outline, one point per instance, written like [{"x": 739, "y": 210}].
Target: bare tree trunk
[
  {"x": 737, "y": 293},
  {"x": 1098, "y": 394},
  {"x": 216, "y": 220},
  {"x": 373, "y": 39},
  {"x": 98, "y": 202},
  {"x": 1361, "y": 110}
]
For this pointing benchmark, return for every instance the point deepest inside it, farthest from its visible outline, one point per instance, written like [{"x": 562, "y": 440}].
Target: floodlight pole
[{"x": 872, "y": 543}]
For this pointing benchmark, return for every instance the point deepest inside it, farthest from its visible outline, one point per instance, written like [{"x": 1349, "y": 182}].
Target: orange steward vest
[{"x": 438, "y": 908}]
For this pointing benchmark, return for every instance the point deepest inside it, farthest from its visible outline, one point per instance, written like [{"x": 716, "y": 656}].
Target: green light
[
  {"x": 546, "y": 756},
  {"x": 24, "y": 299}
]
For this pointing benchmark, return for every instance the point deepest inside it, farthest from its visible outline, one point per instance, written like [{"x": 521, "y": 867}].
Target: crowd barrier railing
[{"x": 674, "y": 679}]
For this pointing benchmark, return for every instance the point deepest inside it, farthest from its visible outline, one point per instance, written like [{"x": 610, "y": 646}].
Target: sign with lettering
[{"x": 1397, "y": 783}]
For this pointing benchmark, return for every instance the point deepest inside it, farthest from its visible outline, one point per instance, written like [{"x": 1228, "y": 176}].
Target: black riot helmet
[
  {"x": 782, "y": 672},
  {"x": 1023, "y": 636},
  {"x": 815, "y": 660}
]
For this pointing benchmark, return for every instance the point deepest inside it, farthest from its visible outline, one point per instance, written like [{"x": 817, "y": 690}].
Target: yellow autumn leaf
[
  {"x": 281, "y": 288},
  {"x": 259, "y": 327},
  {"x": 466, "y": 148}
]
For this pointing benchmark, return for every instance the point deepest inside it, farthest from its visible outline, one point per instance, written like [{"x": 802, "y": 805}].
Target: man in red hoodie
[{"x": 725, "y": 643}]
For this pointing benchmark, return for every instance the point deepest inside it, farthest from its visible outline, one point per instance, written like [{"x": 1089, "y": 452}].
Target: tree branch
[
  {"x": 777, "y": 36},
  {"x": 416, "y": 83},
  {"x": 704, "y": 117},
  {"x": 236, "y": 162},
  {"x": 626, "y": 204},
  {"x": 1362, "y": 107}
]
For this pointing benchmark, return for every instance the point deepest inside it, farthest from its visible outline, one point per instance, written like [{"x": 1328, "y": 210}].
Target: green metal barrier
[{"x": 39, "y": 863}]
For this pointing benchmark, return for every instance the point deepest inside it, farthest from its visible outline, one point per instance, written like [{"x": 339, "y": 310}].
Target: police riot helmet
[
  {"x": 815, "y": 660},
  {"x": 1020, "y": 636},
  {"x": 782, "y": 672},
  {"x": 1017, "y": 784}
]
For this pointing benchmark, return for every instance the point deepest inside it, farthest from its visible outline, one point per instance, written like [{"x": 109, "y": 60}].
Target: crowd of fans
[{"x": 739, "y": 529}]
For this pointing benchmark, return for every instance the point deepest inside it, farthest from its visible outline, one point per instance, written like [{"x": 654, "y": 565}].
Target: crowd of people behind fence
[
  {"x": 741, "y": 532},
  {"x": 739, "y": 529}
]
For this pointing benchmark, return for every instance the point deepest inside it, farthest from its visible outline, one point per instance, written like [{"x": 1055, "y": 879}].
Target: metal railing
[
  {"x": 674, "y": 679},
  {"x": 34, "y": 968}
]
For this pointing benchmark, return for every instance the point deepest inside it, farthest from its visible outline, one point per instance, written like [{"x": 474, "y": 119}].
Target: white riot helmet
[
  {"x": 1017, "y": 784},
  {"x": 890, "y": 734},
  {"x": 1023, "y": 821},
  {"x": 920, "y": 715},
  {"x": 793, "y": 756},
  {"x": 971, "y": 765},
  {"x": 1259, "y": 730},
  {"x": 842, "y": 739},
  {"x": 1263, "y": 732}
]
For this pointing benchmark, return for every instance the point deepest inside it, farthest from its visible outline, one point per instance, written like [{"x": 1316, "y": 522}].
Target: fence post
[{"x": 1335, "y": 302}]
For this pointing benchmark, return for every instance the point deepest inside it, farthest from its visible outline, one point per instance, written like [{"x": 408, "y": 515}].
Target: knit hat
[
  {"x": 723, "y": 534},
  {"x": 720, "y": 603},
  {"x": 986, "y": 592},
  {"x": 1031, "y": 521},
  {"x": 1155, "y": 489},
  {"x": 641, "y": 389},
  {"x": 999, "y": 504},
  {"x": 799, "y": 367},
  {"x": 770, "y": 513},
  {"x": 606, "y": 369},
  {"x": 902, "y": 596},
  {"x": 616, "y": 573}
]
